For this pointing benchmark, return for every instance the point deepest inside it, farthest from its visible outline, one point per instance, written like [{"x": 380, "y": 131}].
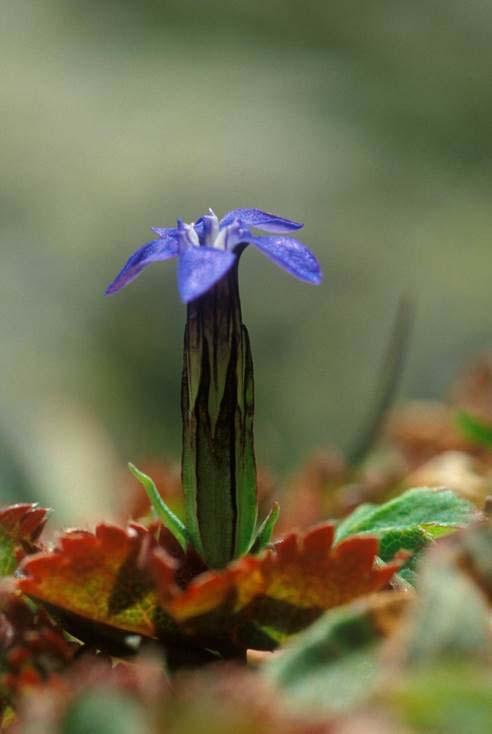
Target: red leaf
[
  {"x": 23, "y": 521},
  {"x": 102, "y": 576},
  {"x": 139, "y": 580},
  {"x": 258, "y": 601},
  {"x": 20, "y": 527}
]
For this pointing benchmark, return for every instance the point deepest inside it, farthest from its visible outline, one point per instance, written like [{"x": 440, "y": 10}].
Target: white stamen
[
  {"x": 211, "y": 228},
  {"x": 221, "y": 239},
  {"x": 192, "y": 235}
]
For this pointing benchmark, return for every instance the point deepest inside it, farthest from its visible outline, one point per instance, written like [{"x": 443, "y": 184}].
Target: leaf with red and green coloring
[
  {"x": 20, "y": 527},
  {"x": 259, "y": 601},
  {"x": 138, "y": 581},
  {"x": 103, "y": 576}
]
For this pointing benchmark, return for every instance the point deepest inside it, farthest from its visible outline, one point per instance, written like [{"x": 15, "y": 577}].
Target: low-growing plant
[{"x": 379, "y": 620}]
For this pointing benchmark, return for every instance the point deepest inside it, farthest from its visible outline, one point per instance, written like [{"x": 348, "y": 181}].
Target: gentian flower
[
  {"x": 217, "y": 393},
  {"x": 208, "y": 248}
]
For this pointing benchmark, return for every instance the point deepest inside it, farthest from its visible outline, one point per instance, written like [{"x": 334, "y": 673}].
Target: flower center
[
  {"x": 187, "y": 236},
  {"x": 206, "y": 231}
]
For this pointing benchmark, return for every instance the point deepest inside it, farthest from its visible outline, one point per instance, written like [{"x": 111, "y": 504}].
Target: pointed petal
[
  {"x": 164, "y": 231},
  {"x": 161, "y": 249},
  {"x": 200, "y": 268},
  {"x": 261, "y": 220},
  {"x": 291, "y": 255}
]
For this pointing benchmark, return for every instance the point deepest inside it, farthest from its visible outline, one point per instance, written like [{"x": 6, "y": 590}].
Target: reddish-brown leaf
[
  {"x": 20, "y": 527},
  {"x": 260, "y": 600},
  {"x": 140, "y": 581},
  {"x": 103, "y": 576}
]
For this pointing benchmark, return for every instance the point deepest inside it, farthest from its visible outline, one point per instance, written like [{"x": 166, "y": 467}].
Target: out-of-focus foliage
[
  {"x": 356, "y": 645},
  {"x": 369, "y": 121},
  {"x": 334, "y": 664},
  {"x": 414, "y": 661},
  {"x": 427, "y": 657},
  {"x": 475, "y": 429}
]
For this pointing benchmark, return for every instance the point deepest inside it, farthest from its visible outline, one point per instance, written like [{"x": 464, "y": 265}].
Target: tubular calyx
[{"x": 217, "y": 401}]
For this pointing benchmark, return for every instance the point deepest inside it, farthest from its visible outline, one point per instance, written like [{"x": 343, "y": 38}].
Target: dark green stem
[{"x": 219, "y": 470}]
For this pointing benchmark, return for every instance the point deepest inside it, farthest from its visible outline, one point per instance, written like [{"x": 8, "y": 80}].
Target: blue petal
[
  {"x": 261, "y": 220},
  {"x": 200, "y": 268},
  {"x": 161, "y": 249},
  {"x": 164, "y": 231},
  {"x": 291, "y": 255}
]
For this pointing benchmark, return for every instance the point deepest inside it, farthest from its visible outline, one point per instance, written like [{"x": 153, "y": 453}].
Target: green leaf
[
  {"x": 355, "y": 520},
  {"x": 408, "y": 522},
  {"x": 474, "y": 429},
  {"x": 333, "y": 665},
  {"x": 265, "y": 529},
  {"x": 161, "y": 509},
  {"x": 451, "y": 619},
  {"x": 105, "y": 713},
  {"x": 448, "y": 699},
  {"x": 476, "y": 555},
  {"x": 339, "y": 663},
  {"x": 443, "y": 684},
  {"x": 424, "y": 507}
]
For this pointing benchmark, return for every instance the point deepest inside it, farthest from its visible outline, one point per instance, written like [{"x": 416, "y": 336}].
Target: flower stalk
[
  {"x": 217, "y": 395},
  {"x": 217, "y": 400}
]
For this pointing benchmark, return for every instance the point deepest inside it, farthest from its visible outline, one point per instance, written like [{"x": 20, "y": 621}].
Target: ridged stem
[{"x": 218, "y": 462}]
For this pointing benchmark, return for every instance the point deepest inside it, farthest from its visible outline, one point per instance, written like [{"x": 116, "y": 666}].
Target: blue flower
[{"x": 208, "y": 248}]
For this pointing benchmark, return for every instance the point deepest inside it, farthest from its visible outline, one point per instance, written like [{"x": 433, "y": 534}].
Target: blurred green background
[{"x": 369, "y": 121}]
